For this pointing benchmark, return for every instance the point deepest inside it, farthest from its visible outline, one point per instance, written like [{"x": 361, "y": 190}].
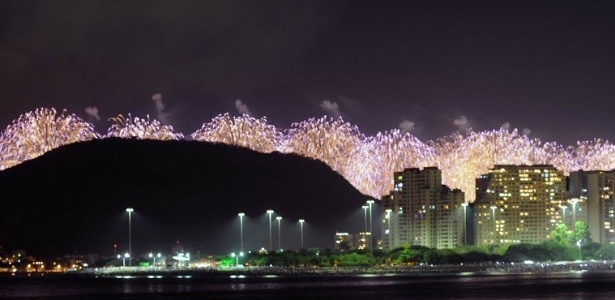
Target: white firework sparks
[
  {"x": 367, "y": 162},
  {"x": 39, "y": 131},
  {"x": 244, "y": 131},
  {"x": 332, "y": 141},
  {"x": 144, "y": 129}
]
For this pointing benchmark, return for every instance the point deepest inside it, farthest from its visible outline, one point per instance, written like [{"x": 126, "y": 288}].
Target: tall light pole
[
  {"x": 493, "y": 208},
  {"x": 580, "y": 253},
  {"x": 129, "y": 210},
  {"x": 126, "y": 255},
  {"x": 465, "y": 221},
  {"x": 388, "y": 217},
  {"x": 388, "y": 231},
  {"x": 270, "y": 212},
  {"x": 365, "y": 207},
  {"x": 301, "y": 221},
  {"x": 563, "y": 207},
  {"x": 370, "y": 202},
  {"x": 371, "y": 233},
  {"x": 241, "y": 229},
  {"x": 574, "y": 211},
  {"x": 279, "y": 232}
]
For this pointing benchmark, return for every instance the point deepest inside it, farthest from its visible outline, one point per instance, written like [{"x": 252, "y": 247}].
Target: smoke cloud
[
  {"x": 331, "y": 108},
  {"x": 461, "y": 122},
  {"x": 92, "y": 111},
  {"x": 163, "y": 117},
  {"x": 506, "y": 126},
  {"x": 526, "y": 131},
  {"x": 406, "y": 126},
  {"x": 242, "y": 108}
]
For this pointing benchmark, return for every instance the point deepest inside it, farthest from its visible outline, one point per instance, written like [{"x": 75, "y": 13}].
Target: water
[{"x": 569, "y": 285}]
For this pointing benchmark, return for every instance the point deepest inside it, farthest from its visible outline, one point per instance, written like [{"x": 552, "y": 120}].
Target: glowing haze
[{"x": 367, "y": 162}]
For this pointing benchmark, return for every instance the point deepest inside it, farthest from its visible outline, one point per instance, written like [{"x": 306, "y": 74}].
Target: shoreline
[{"x": 425, "y": 270}]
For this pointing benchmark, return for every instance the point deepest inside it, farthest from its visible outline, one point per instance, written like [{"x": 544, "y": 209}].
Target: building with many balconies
[
  {"x": 421, "y": 211},
  {"x": 518, "y": 204},
  {"x": 594, "y": 191}
]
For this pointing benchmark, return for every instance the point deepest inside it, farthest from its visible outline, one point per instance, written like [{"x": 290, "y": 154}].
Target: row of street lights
[
  {"x": 279, "y": 219},
  {"x": 236, "y": 256},
  {"x": 270, "y": 212},
  {"x": 130, "y": 210},
  {"x": 371, "y": 237},
  {"x": 127, "y": 255}
]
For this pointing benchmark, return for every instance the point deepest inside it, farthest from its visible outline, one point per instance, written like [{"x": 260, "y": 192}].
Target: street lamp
[
  {"x": 371, "y": 234},
  {"x": 301, "y": 221},
  {"x": 126, "y": 255},
  {"x": 388, "y": 231},
  {"x": 493, "y": 208},
  {"x": 129, "y": 210},
  {"x": 151, "y": 255},
  {"x": 236, "y": 256},
  {"x": 580, "y": 254},
  {"x": 574, "y": 210},
  {"x": 465, "y": 221},
  {"x": 270, "y": 212},
  {"x": 563, "y": 207},
  {"x": 241, "y": 228},
  {"x": 365, "y": 207},
  {"x": 279, "y": 232},
  {"x": 370, "y": 202}
]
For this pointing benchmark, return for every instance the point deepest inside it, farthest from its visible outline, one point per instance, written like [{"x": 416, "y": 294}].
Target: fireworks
[
  {"x": 593, "y": 155},
  {"x": 244, "y": 131},
  {"x": 367, "y": 162},
  {"x": 37, "y": 132},
  {"x": 463, "y": 158},
  {"x": 334, "y": 142},
  {"x": 381, "y": 155},
  {"x": 144, "y": 129}
]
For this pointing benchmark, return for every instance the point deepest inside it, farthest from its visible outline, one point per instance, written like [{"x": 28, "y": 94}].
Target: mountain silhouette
[{"x": 73, "y": 200}]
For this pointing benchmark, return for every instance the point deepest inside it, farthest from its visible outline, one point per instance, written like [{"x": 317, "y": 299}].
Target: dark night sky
[{"x": 544, "y": 65}]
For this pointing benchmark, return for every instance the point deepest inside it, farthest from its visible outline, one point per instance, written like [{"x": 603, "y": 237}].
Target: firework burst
[
  {"x": 144, "y": 129},
  {"x": 332, "y": 141},
  {"x": 39, "y": 131},
  {"x": 244, "y": 131},
  {"x": 367, "y": 162}
]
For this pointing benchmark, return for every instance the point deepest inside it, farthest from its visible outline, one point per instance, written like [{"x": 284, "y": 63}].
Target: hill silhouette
[{"x": 73, "y": 199}]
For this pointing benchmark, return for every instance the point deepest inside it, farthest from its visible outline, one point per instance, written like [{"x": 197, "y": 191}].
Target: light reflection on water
[{"x": 589, "y": 285}]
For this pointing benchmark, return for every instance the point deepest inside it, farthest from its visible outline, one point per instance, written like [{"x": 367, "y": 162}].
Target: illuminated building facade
[
  {"x": 518, "y": 204},
  {"x": 595, "y": 191},
  {"x": 422, "y": 211},
  {"x": 364, "y": 240},
  {"x": 343, "y": 241}
]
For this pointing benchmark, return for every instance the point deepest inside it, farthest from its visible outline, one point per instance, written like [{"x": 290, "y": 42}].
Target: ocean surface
[{"x": 565, "y": 285}]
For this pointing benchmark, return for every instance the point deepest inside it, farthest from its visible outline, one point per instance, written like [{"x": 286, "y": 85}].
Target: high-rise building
[
  {"x": 595, "y": 191},
  {"x": 518, "y": 204},
  {"x": 343, "y": 241},
  {"x": 421, "y": 211},
  {"x": 363, "y": 240}
]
